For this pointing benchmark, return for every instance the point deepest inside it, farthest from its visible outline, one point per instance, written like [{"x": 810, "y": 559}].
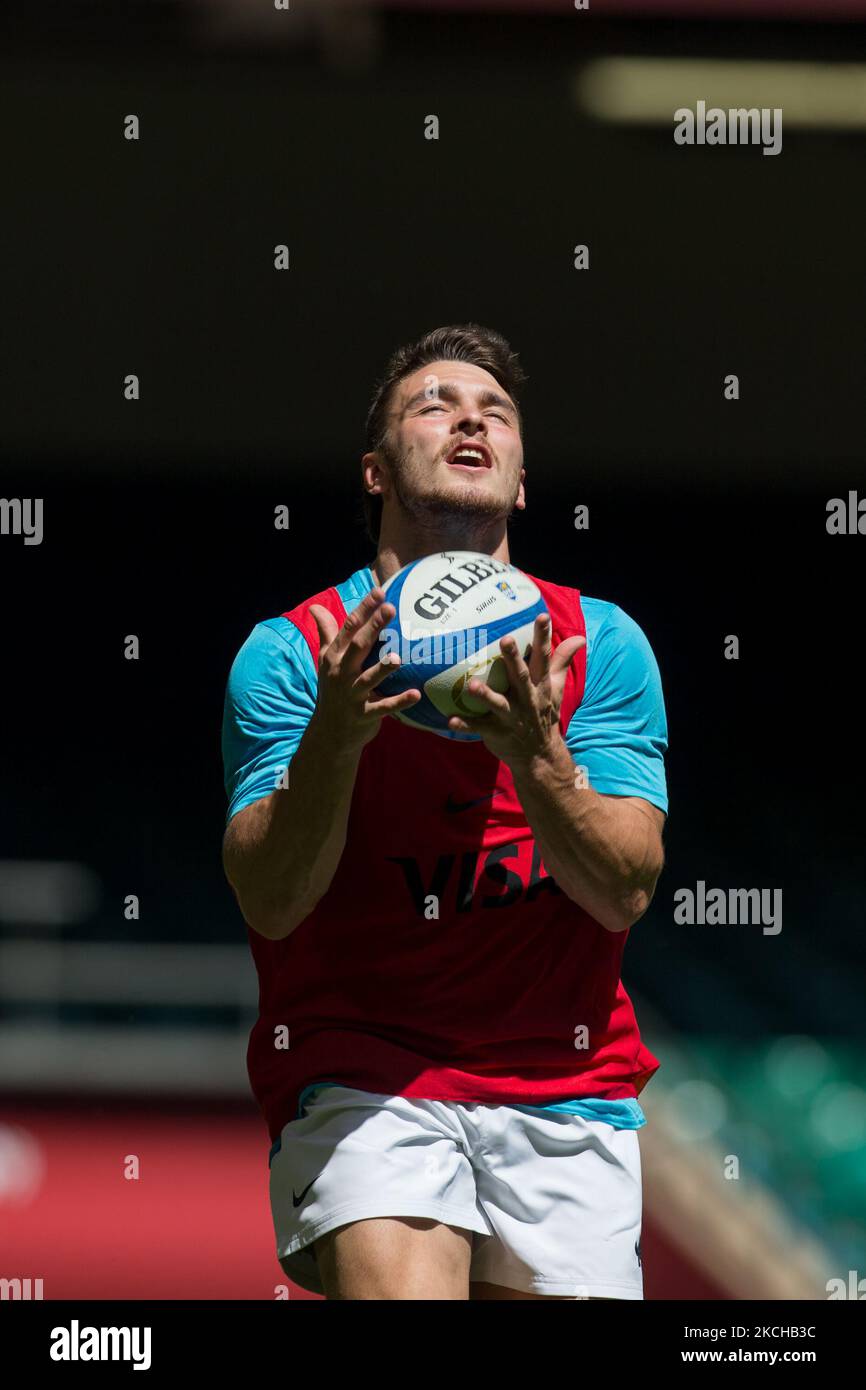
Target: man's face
[{"x": 454, "y": 444}]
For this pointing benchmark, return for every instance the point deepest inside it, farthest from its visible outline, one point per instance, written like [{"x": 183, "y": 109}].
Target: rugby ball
[{"x": 452, "y": 610}]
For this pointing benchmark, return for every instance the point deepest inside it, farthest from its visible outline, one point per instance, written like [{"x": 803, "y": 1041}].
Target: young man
[{"x": 451, "y": 1095}]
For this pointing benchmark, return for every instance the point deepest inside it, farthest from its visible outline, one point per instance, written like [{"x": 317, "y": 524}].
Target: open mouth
[{"x": 470, "y": 456}]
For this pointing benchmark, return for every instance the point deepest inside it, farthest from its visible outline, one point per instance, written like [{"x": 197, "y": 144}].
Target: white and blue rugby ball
[{"x": 452, "y": 610}]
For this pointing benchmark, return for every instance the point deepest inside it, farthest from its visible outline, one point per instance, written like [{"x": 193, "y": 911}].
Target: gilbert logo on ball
[{"x": 453, "y": 608}]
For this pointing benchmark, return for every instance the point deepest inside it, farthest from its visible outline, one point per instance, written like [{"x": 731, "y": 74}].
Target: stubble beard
[{"x": 465, "y": 512}]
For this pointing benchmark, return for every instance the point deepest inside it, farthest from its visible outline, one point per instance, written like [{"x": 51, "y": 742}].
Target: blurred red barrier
[{"x": 195, "y": 1224}]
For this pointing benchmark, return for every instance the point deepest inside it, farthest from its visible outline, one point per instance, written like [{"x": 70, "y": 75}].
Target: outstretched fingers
[
  {"x": 539, "y": 656},
  {"x": 519, "y": 675},
  {"x": 564, "y": 654},
  {"x": 355, "y": 638},
  {"x": 365, "y": 684}
]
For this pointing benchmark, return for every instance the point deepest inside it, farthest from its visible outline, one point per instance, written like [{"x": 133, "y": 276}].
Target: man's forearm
[
  {"x": 283, "y": 855},
  {"x": 605, "y": 855}
]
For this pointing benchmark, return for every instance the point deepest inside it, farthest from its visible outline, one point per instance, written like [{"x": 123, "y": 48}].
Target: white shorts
[{"x": 554, "y": 1199}]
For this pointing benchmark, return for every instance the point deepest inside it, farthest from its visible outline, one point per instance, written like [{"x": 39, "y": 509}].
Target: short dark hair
[{"x": 467, "y": 342}]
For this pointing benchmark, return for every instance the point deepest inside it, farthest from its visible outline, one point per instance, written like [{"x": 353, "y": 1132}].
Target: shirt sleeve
[
  {"x": 270, "y": 698},
  {"x": 619, "y": 731}
]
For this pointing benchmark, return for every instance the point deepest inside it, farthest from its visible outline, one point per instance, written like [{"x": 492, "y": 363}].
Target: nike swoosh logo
[
  {"x": 452, "y": 805},
  {"x": 296, "y": 1201}
]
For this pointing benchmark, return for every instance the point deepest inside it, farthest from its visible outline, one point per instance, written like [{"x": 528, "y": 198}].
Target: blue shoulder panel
[{"x": 619, "y": 731}]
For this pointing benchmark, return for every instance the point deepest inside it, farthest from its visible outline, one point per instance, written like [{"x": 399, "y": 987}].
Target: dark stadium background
[{"x": 707, "y": 518}]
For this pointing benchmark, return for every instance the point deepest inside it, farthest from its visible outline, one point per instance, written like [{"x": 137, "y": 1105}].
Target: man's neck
[{"x": 392, "y": 556}]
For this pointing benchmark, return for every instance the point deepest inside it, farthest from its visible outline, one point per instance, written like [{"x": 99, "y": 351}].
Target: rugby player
[{"x": 445, "y": 1055}]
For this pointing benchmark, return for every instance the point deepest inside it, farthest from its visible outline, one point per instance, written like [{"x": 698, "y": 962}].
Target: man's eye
[
  {"x": 428, "y": 408},
  {"x": 498, "y": 416}
]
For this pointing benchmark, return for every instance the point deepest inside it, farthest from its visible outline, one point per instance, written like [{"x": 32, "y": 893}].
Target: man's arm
[
  {"x": 605, "y": 852},
  {"x": 281, "y": 852}
]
